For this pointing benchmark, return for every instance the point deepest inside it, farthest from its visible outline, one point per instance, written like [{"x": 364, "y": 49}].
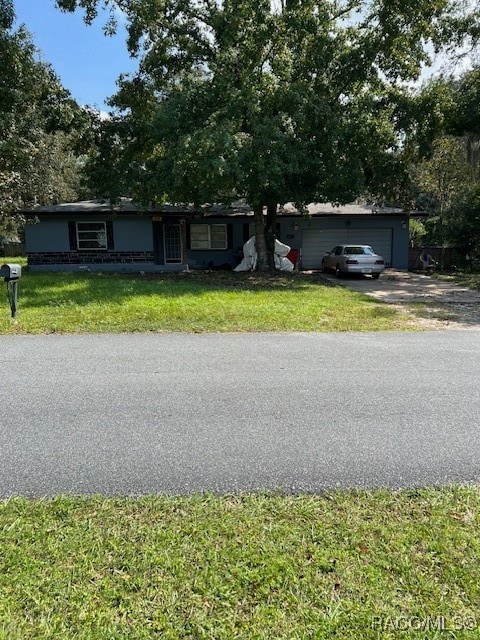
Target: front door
[{"x": 173, "y": 244}]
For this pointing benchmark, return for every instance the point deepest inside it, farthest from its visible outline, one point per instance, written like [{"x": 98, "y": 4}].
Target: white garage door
[{"x": 316, "y": 242}]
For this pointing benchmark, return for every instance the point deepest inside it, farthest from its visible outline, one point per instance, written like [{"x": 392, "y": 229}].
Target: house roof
[
  {"x": 87, "y": 206},
  {"x": 319, "y": 208},
  {"x": 126, "y": 206}
]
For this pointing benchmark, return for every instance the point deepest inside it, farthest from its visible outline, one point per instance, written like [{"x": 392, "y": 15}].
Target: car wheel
[
  {"x": 338, "y": 273},
  {"x": 324, "y": 268},
  {"x": 375, "y": 276}
]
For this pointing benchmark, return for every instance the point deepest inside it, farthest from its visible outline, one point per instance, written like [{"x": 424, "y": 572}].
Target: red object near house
[{"x": 293, "y": 255}]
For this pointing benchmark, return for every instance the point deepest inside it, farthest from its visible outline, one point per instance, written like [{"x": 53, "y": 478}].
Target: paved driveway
[{"x": 440, "y": 304}]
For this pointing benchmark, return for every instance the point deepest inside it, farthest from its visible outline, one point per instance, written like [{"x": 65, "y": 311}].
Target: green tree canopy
[
  {"x": 41, "y": 127},
  {"x": 464, "y": 114},
  {"x": 293, "y": 100},
  {"x": 448, "y": 178}
]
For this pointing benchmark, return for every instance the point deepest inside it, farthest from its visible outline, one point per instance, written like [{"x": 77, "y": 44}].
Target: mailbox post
[{"x": 11, "y": 274}]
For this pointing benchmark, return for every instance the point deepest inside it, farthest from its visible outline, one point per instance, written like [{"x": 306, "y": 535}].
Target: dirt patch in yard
[{"x": 431, "y": 303}]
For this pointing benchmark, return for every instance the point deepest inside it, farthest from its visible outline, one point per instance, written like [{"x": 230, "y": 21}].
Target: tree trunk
[
  {"x": 442, "y": 237},
  {"x": 263, "y": 263},
  {"x": 270, "y": 234}
]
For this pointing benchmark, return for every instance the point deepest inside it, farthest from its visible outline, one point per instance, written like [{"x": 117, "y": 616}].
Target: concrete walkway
[{"x": 437, "y": 303}]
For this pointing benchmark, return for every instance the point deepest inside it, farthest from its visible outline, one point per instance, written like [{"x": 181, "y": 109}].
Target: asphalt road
[{"x": 139, "y": 414}]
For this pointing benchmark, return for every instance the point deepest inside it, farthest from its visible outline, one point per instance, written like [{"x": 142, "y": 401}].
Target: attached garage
[{"x": 317, "y": 242}]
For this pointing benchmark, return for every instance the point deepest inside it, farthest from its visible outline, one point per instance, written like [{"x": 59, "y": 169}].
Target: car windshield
[{"x": 359, "y": 251}]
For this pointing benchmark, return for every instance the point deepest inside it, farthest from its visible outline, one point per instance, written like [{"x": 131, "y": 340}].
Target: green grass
[
  {"x": 190, "y": 302},
  {"x": 342, "y": 565},
  {"x": 470, "y": 280}
]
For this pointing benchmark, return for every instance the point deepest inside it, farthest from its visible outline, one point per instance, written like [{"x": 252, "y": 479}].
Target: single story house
[{"x": 93, "y": 235}]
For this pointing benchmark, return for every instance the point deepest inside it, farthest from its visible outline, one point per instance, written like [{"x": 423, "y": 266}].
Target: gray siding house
[{"x": 92, "y": 235}]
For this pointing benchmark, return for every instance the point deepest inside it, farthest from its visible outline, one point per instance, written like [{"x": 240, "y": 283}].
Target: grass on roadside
[
  {"x": 432, "y": 311},
  {"x": 191, "y": 302},
  {"x": 343, "y": 565}
]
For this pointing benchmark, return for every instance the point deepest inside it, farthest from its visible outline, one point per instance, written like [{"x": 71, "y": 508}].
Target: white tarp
[{"x": 249, "y": 262}]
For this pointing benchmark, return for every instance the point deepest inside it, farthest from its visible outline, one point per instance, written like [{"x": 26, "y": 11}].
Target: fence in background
[
  {"x": 12, "y": 249},
  {"x": 453, "y": 257}
]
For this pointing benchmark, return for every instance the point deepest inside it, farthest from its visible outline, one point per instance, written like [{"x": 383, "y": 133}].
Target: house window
[
  {"x": 208, "y": 236},
  {"x": 91, "y": 235}
]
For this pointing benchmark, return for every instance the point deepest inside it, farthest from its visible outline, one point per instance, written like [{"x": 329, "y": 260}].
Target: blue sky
[{"x": 87, "y": 62}]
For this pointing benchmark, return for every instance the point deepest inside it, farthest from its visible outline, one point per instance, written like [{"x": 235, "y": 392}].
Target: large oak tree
[{"x": 270, "y": 101}]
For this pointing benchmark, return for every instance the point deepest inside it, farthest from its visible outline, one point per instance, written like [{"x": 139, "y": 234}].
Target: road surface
[{"x": 177, "y": 414}]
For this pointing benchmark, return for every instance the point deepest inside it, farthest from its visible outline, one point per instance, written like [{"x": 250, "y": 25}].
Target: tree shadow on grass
[{"x": 67, "y": 288}]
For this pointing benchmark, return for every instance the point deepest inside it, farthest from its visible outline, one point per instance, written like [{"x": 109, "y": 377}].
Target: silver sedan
[{"x": 353, "y": 258}]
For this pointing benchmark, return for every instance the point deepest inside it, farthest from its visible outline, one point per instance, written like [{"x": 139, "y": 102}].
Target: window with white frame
[
  {"x": 91, "y": 235},
  {"x": 208, "y": 236}
]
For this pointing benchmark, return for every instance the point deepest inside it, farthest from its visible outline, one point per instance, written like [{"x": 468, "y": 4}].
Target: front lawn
[
  {"x": 346, "y": 565},
  {"x": 191, "y": 302}
]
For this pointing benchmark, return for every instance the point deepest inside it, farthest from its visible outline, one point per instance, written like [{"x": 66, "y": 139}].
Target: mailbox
[{"x": 10, "y": 272}]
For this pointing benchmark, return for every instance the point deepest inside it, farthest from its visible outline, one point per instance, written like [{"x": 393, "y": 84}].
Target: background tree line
[
  {"x": 44, "y": 133},
  {"x": 271, "y": 102},
  {"x": 447, "y": 181}
]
